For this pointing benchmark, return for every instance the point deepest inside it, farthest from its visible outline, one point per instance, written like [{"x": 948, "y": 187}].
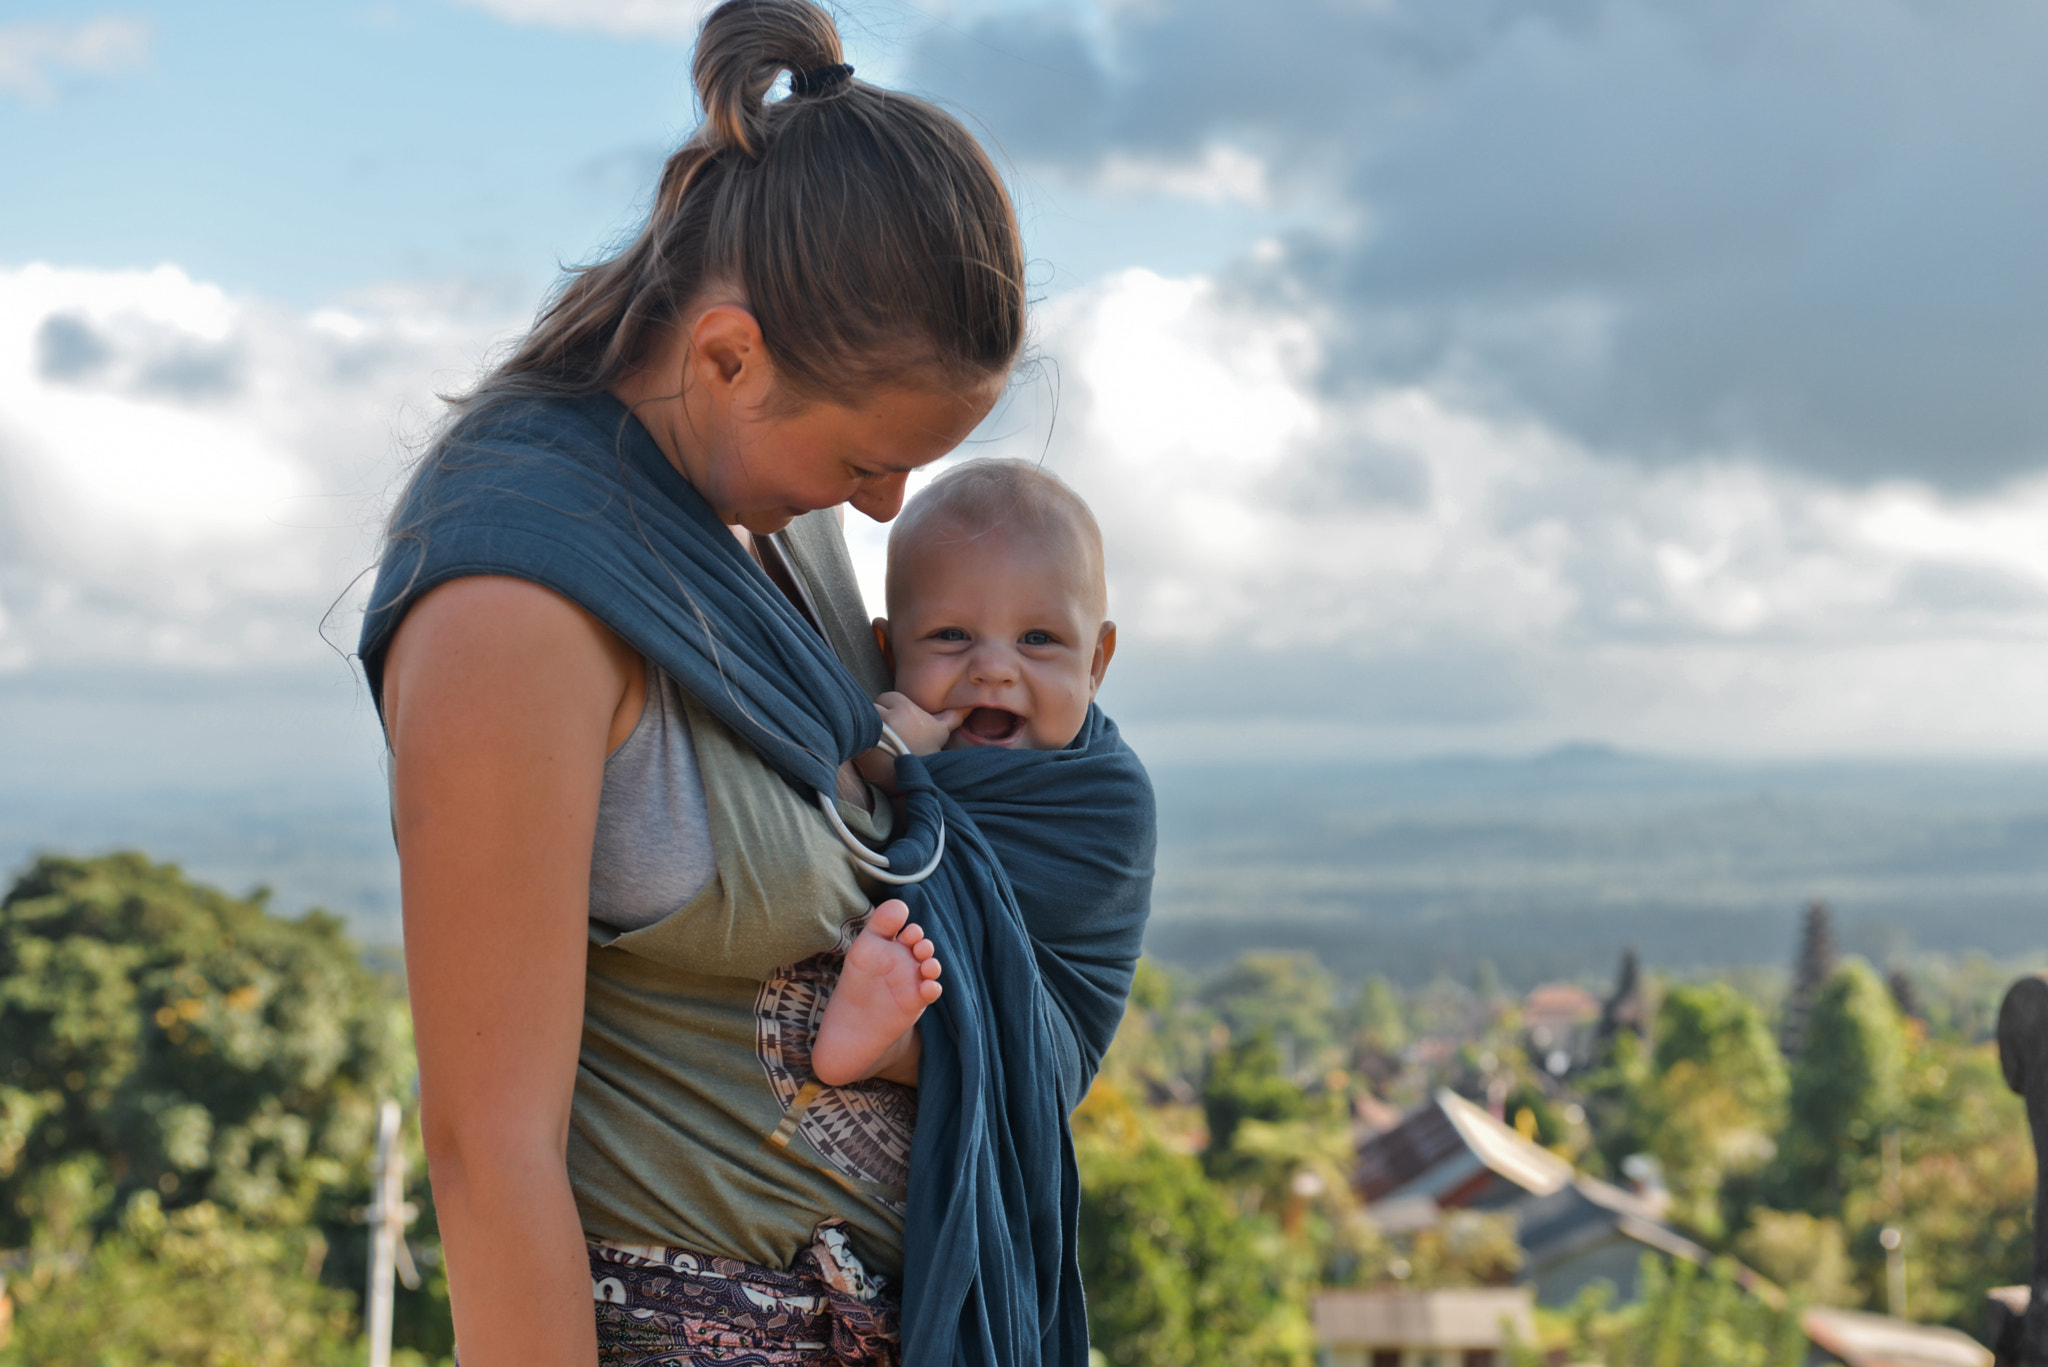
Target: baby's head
[{"x": 997, "y": 603}]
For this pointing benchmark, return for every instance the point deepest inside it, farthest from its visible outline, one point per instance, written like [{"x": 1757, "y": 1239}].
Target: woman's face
[
  {"x": 709, "y": 396},
  {"x": 773, "y": 465}
]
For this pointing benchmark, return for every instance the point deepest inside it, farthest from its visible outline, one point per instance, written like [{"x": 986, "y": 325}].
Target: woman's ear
[
  {"x": 1105, "y": 646},
  {"x": 729, "y": 356},
  {"x": 881, "y": 625}
]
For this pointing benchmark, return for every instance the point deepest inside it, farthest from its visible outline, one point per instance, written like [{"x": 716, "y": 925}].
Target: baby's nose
[{"x": 993, "y": 663}]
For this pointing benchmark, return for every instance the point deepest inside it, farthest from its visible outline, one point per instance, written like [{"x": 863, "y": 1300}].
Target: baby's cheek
[{"x": 924, "y": 686}]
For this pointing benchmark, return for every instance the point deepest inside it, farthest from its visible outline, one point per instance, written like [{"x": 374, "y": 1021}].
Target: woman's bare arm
[{"x": 501, "y": 700}]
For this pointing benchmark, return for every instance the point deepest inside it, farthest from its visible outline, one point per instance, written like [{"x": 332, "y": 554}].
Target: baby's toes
[{"x": 887, "y": 919}]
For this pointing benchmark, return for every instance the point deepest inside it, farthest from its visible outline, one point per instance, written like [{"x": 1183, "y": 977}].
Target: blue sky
[
  {"x": 306, "y": 151},
  {"x": 1447, "y": 374}
]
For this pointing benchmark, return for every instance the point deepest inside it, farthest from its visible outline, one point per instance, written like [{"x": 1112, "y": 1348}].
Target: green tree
[
  {"x": 189, "y": 1082},
  {"x": 1686, "y": 1317},
  {"x": 1845, "y": 1090},
  {"x": 191, "y": 1289},
  {"x": 1610, "y": 1091},
  {"x": 1802, "y": 1253},
  {"x": 1163, "y": 1043},
  {"x": 1245, "y": 1084},
  {"x": 1377, "y": 1017},
  {"x": 1714, "y": 1095},
  {"x": 1287, "y": 996},
  {"x": 1966, "y": 1182},
  {"x": 1175, "y": 1275}
]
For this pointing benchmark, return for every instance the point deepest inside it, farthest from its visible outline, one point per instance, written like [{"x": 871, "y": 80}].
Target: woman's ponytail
[
  {"x": 741, "y": 51},
  {"x": 866, "y": 230}
]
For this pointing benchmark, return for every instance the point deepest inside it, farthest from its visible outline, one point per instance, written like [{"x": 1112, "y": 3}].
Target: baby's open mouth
[{"x": 992, "y": 725}]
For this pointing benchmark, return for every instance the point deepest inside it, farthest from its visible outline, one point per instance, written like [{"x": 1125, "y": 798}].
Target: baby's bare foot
[{"x": 890, "y": 976}]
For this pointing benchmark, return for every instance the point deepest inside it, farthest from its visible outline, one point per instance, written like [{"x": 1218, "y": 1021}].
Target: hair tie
[{"x": 819, "y": 81}]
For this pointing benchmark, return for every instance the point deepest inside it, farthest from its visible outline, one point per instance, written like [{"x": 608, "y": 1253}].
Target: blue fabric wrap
[{"x": 1037, "y": 909}]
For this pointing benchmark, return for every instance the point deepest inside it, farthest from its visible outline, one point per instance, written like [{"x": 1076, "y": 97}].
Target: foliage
[
  {"x": 1377, "y": 1024},
  {"x": 1845, "y": 1089},
  {"x": 1711, "y": 1099},
  {"x": 1965, "y": 1185},
  {"x": 1285, "y": 997},
  {"x": 1165, "y": 1036},
  {"x": 1611, "y": 1092},
  {"x": 1802, "y": 1253},
  {"x": 187, "y": 1092},
  {"x": 1245, "y": 1083},
  {"x": 1466, "y": 1248},
  {"x": 189, "y": 1101},
  {"x": 195, "y": 1288},
  {"x": 183, "y": 1042},
  {"x": 1685, "y": 1318},
  {"x": 1188, "y": 1278}
]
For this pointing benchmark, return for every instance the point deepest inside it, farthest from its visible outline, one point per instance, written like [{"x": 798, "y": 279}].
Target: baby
[{"x": 997, "y": 636}]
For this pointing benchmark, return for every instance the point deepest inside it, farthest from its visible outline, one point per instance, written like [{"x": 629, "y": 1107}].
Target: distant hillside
[
  {"x": 1546, "y": 866},
  {"x": 1543, "y": 866}
]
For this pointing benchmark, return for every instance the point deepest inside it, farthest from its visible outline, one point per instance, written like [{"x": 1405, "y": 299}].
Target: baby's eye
[
  {"x": 949, "y": 634},
  {"x": 1038, "y": 638}
]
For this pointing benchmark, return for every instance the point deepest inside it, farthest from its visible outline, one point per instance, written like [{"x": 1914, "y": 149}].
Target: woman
[{"x": 618, "y": 912}]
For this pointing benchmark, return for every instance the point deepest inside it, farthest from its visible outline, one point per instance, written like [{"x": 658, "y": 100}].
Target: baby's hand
[{"x": 926, "y": 733}]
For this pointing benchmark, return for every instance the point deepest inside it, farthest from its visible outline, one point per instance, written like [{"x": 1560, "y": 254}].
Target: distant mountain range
[
  {"x": 1543, "y": 866},
  {"x": 1546, "y": 866}
]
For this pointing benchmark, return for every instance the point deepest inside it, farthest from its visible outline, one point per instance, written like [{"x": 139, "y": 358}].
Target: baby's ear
[
  {"x": 881, "y": 625},
  {"x": 1105, "y": 646}
]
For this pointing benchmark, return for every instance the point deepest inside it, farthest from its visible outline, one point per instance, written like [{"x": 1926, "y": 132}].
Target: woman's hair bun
[{"x": 743, "y": 47}]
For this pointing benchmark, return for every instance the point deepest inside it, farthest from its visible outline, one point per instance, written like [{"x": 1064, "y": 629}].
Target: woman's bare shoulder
[{"x": 498, "y": 639}]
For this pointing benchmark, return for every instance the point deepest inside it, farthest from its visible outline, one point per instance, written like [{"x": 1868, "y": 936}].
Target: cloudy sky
[{"x": 1448, "y": 374}]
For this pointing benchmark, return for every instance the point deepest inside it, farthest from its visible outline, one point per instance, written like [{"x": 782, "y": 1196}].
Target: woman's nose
[{"x": 881, "y": 497}]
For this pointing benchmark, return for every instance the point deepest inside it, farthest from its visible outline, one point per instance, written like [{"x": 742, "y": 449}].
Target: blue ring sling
[{"x": 1037, "y": 905}]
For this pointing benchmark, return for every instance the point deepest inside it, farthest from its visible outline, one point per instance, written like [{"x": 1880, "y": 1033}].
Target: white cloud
[
  {"x": 1222, "y": 174},
  {"x": 37, "y": 59},
  {"x": 1805, "y": 227},
  {"x": 187, "y": 479},
  {"x": 665, "y": 19},
  {"x": 1425, "y": 572}
]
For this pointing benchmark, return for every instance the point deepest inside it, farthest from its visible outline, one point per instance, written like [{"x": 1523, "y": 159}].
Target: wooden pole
[{"x": 388, "y": 1215}]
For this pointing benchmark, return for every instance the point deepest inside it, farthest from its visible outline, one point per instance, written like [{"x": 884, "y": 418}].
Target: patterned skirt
[{"x": 663, "y": 1307}]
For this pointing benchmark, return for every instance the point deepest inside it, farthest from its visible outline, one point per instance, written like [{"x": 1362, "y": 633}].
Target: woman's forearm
[{"x": 518, "y": 1276}]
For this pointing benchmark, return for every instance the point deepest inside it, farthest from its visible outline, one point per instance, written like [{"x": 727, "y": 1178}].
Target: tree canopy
[{"x": 190, "y": 1092}]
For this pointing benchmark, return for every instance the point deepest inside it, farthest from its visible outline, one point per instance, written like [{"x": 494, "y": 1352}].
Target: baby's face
[{"x": 1003, "y": 626}]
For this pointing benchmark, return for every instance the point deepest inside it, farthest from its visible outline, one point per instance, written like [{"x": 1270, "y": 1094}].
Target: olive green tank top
[{"x": 696, "y": 1122}]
